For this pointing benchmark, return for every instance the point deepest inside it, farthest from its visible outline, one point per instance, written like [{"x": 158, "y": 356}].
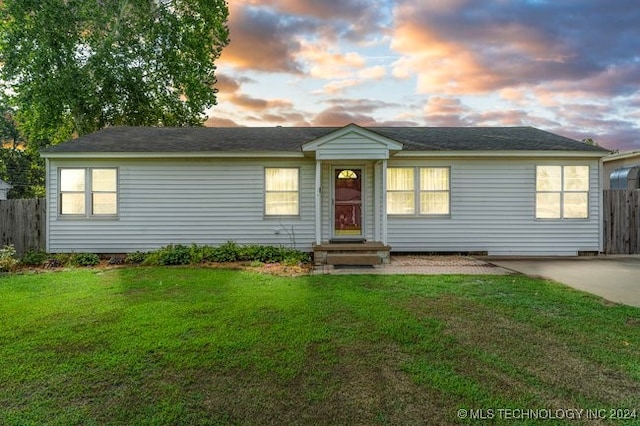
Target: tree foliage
[
  {"x": 76, "y": 66},
  {"x": 20, "y": 167}
]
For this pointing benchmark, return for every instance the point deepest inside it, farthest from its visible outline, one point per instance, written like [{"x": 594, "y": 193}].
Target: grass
[{"x": 180, "y": 345}]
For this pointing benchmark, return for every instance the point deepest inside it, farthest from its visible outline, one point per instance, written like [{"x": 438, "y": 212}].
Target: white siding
[
  {"x": 218, "y": 200},
  {"x": 184, "y": 201},
  {"x": 493, "y": 210}
]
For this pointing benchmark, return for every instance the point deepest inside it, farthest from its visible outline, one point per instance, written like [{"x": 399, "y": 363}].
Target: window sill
[
  {"x": 84, "y": 217},
  {"x": 419, "y": 216}
]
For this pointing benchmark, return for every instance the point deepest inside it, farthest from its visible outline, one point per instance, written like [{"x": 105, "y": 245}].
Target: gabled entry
[{"x": 351, "y": 164}]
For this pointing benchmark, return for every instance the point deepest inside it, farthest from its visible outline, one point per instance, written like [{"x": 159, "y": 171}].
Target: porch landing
[{"x": 349, "y": 253}]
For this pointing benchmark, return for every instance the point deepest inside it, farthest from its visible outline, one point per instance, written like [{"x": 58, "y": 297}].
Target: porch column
[
  {"x": 383, "y": 174},
  {"x": 318, "y": 189}
]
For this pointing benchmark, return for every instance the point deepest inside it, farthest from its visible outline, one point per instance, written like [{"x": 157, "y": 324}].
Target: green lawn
[{"x": 207, "y": 346}]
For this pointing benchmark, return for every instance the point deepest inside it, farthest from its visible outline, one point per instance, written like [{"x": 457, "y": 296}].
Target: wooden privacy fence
[
  {"x": 621, "y": 209},
  {"x": 22, "y": 223}
]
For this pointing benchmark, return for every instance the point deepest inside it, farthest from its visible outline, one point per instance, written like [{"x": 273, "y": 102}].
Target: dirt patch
[{"x": 277, "y": 269}]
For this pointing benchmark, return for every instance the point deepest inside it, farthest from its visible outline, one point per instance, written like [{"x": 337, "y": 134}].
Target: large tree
[
  {"x": 75, "y": 66},
  {"x": 20, "y": 167}
]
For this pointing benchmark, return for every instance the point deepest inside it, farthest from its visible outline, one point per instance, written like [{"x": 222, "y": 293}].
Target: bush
[
  {"x": 169, "y": 255},
  {"x": 264, "y": 254},
  {"x": 84, "y": 259},
  {"x": 8, "y": 261},
  {"x": 34, "y": 258},
  {"x": 61, "y": 259},
  {"x": 227, "y": 252},
  {"x": 136, "y": 257}
]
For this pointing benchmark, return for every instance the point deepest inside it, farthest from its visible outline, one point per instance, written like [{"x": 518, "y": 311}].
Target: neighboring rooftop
[
  {"x": 241, "y": 139},
  {"x": 622, "y": 156}
]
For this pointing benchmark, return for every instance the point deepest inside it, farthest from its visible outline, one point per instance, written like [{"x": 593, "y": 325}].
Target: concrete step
[
  {"x": 353, "y": 259},
  {"x": 343, "y": 247}
]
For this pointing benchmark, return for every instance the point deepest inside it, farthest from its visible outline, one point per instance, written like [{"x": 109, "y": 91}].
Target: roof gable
[{"x": 352, "y": 142}]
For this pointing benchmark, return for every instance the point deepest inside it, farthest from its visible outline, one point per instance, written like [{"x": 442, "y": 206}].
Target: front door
[{"x": 347, "y": 202}]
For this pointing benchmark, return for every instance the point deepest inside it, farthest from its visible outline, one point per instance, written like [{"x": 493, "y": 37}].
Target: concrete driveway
[{"x": 615, "y": 278}]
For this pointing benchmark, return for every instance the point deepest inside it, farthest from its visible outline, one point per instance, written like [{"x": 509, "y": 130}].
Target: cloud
[
  {"x": 342, "y": 111},
  {"x": 270, "y": 36},
  {"x": 349, "y": 19},
  {"x": 262, "y": 40},
  {"x": 326, "y": 64},
  {"x": 220, "y": 122},
  {"x": 373, "y": 73},
  {"x": 474, "y": 47},
  {"x": 359, "y": 78},
  {"x": 446, "y": 112},
  {"x": 336, "y": 87}
]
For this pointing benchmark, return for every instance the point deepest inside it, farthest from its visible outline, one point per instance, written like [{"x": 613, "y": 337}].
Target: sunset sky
[{"x": 567, "y": 66}]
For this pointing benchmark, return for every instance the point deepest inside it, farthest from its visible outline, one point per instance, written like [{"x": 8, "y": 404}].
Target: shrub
[
  {"x": 34, "y": 257},
  {"x": 8, "y": 261},
  {"x": 208, "y": 253},
  {"x": 264, "y": 254},
  {"x": 169, "y": 255},
  {"x": 227, "y": 252},
  {"x": 61, "y": 259},
  {"x": 84, "y": 259},
  {"x": 295, "y": 257},
  {"x": 136, "y": 257},
  {"x": 196, "y": 253}
]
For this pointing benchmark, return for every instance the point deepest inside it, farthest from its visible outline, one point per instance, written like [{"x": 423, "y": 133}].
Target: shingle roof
[{"x": 241, "y": 139}]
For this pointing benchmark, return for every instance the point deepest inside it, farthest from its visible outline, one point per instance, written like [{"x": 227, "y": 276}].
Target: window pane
[
  {"x": 71, "y": 180},
  {"x": 548, "y": 178},
  {"x": 548, "y": 206},
  {"x": 400, "y": 179},
  {"x": 103, "y": 179},
  {"x": 105, "y": 204},
  {"x": 434, "y": 203},
  {"x": 281, "y": 203},
  {"x": 576, "y": 205},
  {"x": 434, "y": 179},
  {"x": 72, "y": 203},
  {"x": 400, "y": 203},
  {"x": 281, "y": 179},
  {"x": 576, "y": 178}
]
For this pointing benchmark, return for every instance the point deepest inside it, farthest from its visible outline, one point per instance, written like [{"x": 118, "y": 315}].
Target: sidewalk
[{"x": 420, "y": 265}]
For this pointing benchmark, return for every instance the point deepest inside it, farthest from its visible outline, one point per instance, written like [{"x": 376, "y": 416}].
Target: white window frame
[
  {"x": 88, "y": 193},
  {"x": 418, "y": 191},
  {"x": 296, "y": 192},
  {"x": 562, "y": 192}
]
